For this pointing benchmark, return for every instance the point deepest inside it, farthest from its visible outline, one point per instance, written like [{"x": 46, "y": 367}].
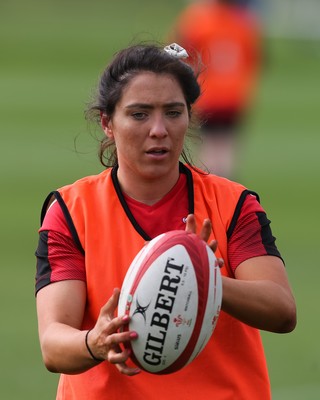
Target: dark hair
[{"x": 125, "y": 65}]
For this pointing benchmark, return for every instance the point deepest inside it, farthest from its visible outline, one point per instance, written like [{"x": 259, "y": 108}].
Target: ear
[{"x": 106, "y": 124}]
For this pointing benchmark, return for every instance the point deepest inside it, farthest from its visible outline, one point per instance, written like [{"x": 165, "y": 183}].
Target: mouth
[{"x": 157, "y": 151}]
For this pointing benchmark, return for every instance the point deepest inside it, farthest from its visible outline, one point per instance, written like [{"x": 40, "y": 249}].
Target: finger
[
  {"x": 206, "y": 230},
  {"x": 114, "y": 326},
  {"x": 191, "y": 224},
  {"x": 126, "y": 370},
  {"x": 119, "y": 358},
  {"x": 191, "y": 227},
  {"x": 220, "y": 262},
  {"x": 114, "y": 340},
  {"x": 213, "y": 245},
  {"x": 108, "y": 346}
]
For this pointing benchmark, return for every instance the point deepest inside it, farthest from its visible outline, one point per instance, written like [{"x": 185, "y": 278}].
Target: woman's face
[{"x": 149, "y": 126}]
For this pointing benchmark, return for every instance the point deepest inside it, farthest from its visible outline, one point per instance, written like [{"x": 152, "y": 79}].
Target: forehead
[{"x": 151, "y": 87}]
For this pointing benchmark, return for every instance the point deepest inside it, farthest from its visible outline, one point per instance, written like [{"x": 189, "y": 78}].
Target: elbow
[
  {"x": 288, "y": 320},
  {"x": 290, "y": 324},
  {"x": 48, "y": 358},
  {"x": 49, "y": 364},
  {"x": 50, "y": 368}
]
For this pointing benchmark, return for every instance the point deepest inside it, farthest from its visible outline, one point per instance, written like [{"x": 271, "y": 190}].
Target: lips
[{"x": 157, "y": 151}]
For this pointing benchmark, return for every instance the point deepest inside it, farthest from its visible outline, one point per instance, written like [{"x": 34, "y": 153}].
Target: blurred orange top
[{"x": 227, "y": 37}]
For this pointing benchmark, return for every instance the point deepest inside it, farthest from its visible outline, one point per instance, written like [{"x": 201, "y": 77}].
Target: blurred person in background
[{"x": 226, "y": 35}]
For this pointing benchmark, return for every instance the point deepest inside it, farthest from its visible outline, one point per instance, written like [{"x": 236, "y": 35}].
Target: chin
[{"x": 156, "y": 171}]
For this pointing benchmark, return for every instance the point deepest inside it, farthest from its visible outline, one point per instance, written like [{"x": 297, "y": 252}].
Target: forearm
[
  {"x": 263, "y": 304},
  {"x": 64, "y": 350},
  {"x": 60, "y": 309}
]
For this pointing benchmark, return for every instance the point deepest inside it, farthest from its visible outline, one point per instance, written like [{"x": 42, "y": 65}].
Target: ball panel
[
  {"x": 213, "y": 305},
  {"x": 132, "y": 272}
]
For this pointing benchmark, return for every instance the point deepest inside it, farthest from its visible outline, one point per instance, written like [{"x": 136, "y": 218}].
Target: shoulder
[
  {"x": 87, "y": 189},
  {"x": 223, "y": 197},
  {"x": 216, "y": 183},
  {"x": 77, "y": 192},
  {"x": 87, "y": 181}
]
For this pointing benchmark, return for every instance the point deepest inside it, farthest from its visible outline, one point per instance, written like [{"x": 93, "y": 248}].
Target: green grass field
[{"x": 51, "y": 55}]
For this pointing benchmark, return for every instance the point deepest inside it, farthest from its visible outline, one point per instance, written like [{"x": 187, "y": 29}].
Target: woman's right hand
[{"x": 106, "y": 338}]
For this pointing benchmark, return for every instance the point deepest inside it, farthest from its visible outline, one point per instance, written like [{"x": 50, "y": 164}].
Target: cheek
[
  {"x": 125, "y": 141},
  {"x": 181, "y": 135}
]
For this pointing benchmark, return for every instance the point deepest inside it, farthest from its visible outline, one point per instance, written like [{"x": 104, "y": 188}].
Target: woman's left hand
[{"x": 204, "y": 234}]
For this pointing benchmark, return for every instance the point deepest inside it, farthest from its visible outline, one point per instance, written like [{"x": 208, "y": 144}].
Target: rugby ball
[{"x": 172, "y": 292}]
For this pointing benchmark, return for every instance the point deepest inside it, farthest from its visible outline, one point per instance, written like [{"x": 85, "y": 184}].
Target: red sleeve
[
  {"x": 58, "y": 257},
  {"x": 54, "y": 220},
  {"x": 252, "y": 235}
]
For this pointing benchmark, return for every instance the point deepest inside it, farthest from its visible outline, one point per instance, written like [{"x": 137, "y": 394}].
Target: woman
[{"x": 92, "y": 230}]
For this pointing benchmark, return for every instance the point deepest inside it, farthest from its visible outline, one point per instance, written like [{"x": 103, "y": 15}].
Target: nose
[{"x": 158, "y": 127}]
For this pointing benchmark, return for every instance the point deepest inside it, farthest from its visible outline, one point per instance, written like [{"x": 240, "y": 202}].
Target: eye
[
  {"x": 139, "y": 115},
  {"x": 174, "y": 113}
]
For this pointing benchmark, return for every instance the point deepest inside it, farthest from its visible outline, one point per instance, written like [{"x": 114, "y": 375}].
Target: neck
[{"x": 147, "y": 190}]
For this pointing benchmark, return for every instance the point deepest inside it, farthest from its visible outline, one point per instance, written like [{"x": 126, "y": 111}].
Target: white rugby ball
[{"x": 172, "y": 292}]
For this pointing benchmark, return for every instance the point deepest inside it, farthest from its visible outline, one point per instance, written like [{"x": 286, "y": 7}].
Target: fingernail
[
  {"x": 125, "y": 318},
  {"x": 133, "y": 335}
]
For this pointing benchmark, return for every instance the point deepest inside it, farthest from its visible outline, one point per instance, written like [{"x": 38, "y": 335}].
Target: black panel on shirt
[
  {"x": 50, "y": 198},
  {"x": 43, "y": 272},
  {"x": 238, "y": 210},
  {"x": 267, "y": 239}
]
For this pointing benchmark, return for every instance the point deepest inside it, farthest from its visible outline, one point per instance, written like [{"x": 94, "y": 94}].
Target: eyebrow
[{"x": 150, "y": 106}]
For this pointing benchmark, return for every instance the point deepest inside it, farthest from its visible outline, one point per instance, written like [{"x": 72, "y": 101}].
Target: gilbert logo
[
  {"x": 179, "y": 320},
  {"x": 141, "y": 310},
  {"x": 161, "y": 316}
]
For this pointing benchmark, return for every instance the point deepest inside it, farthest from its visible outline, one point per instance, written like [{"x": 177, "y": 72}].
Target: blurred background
[{"x": 52, "y": 52}]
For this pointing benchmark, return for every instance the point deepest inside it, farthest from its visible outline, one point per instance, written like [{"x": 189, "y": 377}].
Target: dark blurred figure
[{"x": 226, "y": 34}]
